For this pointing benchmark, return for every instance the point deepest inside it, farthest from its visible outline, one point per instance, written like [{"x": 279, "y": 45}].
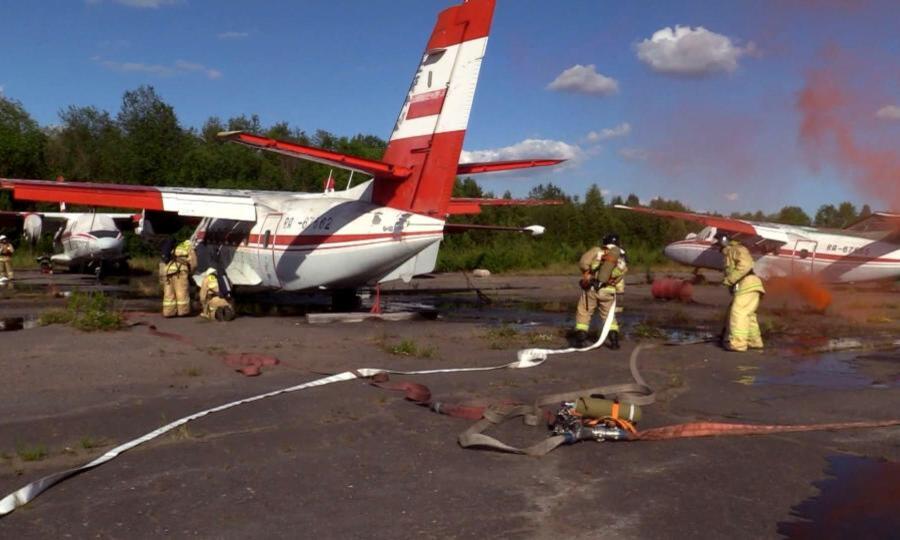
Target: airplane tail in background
[{"x": 428, "y": 136}]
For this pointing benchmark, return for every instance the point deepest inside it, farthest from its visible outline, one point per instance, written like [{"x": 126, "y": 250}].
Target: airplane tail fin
[{"x": 428, "y": 136}]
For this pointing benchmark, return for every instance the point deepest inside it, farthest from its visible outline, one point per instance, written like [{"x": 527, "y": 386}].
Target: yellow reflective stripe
[{"x": 581, "y": 326}]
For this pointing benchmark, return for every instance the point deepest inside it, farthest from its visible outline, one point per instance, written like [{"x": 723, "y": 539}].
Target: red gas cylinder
[{"x": 672, "y": 289}]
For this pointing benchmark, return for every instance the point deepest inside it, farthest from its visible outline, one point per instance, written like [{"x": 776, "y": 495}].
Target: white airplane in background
[
  {"x": 867, "y": 250},
  {"x": 387, "y": 228},
  {"x": 85, "y": 240}
]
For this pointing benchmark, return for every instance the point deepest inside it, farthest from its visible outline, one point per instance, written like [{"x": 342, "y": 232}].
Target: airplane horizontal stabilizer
[
  {"x": 498, "y": 166},
  {"x": 470, "y": 205},
  {"x": 534, "y": 230},
  {"x": 371, "y": 167}
]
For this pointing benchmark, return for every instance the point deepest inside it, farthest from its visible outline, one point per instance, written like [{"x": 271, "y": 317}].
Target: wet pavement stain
[
  {"x": 861, "y": 499},
  {"x": 834, "y": 371}
]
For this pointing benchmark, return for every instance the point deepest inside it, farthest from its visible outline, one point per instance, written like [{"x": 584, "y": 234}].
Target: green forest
[{"x": 144, "y": 143}]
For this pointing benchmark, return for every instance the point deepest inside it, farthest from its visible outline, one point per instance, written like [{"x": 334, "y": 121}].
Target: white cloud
[
  {"x": 732, "y": 196},
  {"x": 159, "y": 70},
  {"x": 186, "y": 66},
  {"x": 621, "y": 130},
  {"x": 2, "y": 88},
  {"x": 634, "y": 154},
  {"x": 686, "y": 51},
  {"x": 151, "y": 4},
  {"x": 889, "y": 112},
  {"x": 584, "y": 80},
  {"x": 233, "y": 35}
]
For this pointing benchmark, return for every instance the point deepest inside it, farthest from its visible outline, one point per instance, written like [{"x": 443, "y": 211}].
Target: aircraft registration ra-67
[
  {"x": 85, "y": 241},
  {"x": 387, "y": 228},
  {"x": 867, "y": 250}
]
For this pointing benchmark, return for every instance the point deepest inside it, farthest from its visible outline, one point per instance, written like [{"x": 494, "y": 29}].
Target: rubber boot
[
  {"x": 614, "y": 340},
  {"x": 581, "y": 339}
]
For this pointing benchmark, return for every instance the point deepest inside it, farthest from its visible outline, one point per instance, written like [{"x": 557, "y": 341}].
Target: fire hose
[
  {"x": 637, "y": 393},
  {"x": 526, "y": 358}
]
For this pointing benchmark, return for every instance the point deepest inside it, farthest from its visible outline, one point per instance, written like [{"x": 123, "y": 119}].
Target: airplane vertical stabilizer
[{"x": 428, "y": 136}]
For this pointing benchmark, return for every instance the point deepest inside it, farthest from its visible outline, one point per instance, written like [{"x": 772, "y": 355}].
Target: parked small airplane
[
  {"x": 387, "y": 228},
  {"x": 85, "y": 241},
  {"x": 867, "y": 250}
]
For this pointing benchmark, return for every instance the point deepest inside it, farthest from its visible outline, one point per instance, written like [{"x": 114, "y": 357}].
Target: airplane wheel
[{"x": 343, "y": 300}]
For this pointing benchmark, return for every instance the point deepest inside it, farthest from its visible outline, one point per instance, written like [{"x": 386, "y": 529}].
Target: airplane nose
[
  {"x": 673, "y": 252},
  {"x": 109, "y": 245}
]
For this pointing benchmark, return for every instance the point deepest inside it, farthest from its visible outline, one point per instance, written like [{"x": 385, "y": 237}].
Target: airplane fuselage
[
  {"x": 835, "y": 258},
  {"x": 318, "y": 241}
]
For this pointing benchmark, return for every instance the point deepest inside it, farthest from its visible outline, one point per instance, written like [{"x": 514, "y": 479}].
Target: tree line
[{"x": 144, "y": 143}]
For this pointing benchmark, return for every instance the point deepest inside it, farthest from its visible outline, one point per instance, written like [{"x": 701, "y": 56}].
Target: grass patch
[
  {"x": 88, "y": 312},
  {"x": 89, "y": 443},
  {"x": 646, "y": 330},
  {"x": 408, "y": 347},
  {"x": 33, "y": 452}
]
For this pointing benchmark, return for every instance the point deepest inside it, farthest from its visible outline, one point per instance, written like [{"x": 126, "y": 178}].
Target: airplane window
[
  {"x": 266, "y": 238},
  {"x": 429, "y": 79},
  {"x": 804, "y": 253},
  {"x": 105, "y": 234}
]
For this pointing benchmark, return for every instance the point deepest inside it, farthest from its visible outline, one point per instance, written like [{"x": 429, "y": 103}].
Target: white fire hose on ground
[{"x": 526, "y": 358}]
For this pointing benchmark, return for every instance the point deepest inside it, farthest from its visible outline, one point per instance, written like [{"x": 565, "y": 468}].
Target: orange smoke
[
  {"x": 804, "y": 289},
  {"x": 837, "y": 118}
]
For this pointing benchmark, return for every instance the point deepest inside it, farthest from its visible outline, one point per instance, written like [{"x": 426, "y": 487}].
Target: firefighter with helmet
[
  {"x": 746, "y": 291},
  {"x": 603, "y": 270},
  {"x": 6, "y": 253},
  {"x": 216, "y": 304},
  {"x": 177, "y": 264}
]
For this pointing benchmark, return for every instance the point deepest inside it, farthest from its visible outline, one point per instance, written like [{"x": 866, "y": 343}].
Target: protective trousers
[
  {"x": 170, "y": 302},
  {"x": 743, "y": 328},
  {"x": 595, "y": 300},
  {"x": 6, "y": 268},
  {"x": 181, "y": 283},
  {"x": 211, "y": 305}
]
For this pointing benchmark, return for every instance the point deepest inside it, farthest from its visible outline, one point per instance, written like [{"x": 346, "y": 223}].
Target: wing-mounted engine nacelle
[{"x": 32, "y": 226}]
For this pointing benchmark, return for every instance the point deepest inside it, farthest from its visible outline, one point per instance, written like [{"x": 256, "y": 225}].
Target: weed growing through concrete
[
  {"x": 89, "y": 312},
  {"x": 647, "y": 331},
  {"x": 34, "y": 452},
  {"x": 89, "y": 443},
  {"x": 408, "y": 347}
]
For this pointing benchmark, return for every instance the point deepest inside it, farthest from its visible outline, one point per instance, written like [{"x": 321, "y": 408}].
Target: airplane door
[
  {"x": 265, "y": 249},
  {"x": 804, "y": 257}
]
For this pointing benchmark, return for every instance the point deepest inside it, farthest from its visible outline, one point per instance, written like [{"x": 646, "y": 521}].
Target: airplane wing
[
  {"x": 770, "y": 232},
  {"x": 189, "y": 202},
  {"x": 465, "y": 205}
]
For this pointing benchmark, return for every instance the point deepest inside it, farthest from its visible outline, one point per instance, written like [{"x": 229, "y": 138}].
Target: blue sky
[{"x": 706, "y": 116}]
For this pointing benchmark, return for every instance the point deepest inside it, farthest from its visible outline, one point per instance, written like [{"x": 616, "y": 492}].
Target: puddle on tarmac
[
  {"x": 835, "y": 371},
  {"x": 860, "y": 499}
]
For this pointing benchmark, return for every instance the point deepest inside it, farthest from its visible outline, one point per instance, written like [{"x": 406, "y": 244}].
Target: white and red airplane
[
  {"x": 867, "y": 250},
  {"x": 83, "y": 240},
  {"x": 387, "y": 228}
]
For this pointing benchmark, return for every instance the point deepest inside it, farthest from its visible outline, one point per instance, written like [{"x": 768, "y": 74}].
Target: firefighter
[
  {"x": 186, "y": 259},
  {"x": 6, "y": 252},
  {"x": 168, "y": 274},
  {"x": 603, "y": 271},
  {"x": 746, "y": 291},
  {"x": 216, "y": 305}
]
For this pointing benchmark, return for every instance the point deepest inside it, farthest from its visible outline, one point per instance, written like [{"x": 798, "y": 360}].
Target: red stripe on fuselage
[{"x": 790, "y": 254}]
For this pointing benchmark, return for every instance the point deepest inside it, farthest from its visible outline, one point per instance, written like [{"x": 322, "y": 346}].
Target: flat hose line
[
  {"x": 638, "y": 393},
  {"x": 526, "y": 358}
]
